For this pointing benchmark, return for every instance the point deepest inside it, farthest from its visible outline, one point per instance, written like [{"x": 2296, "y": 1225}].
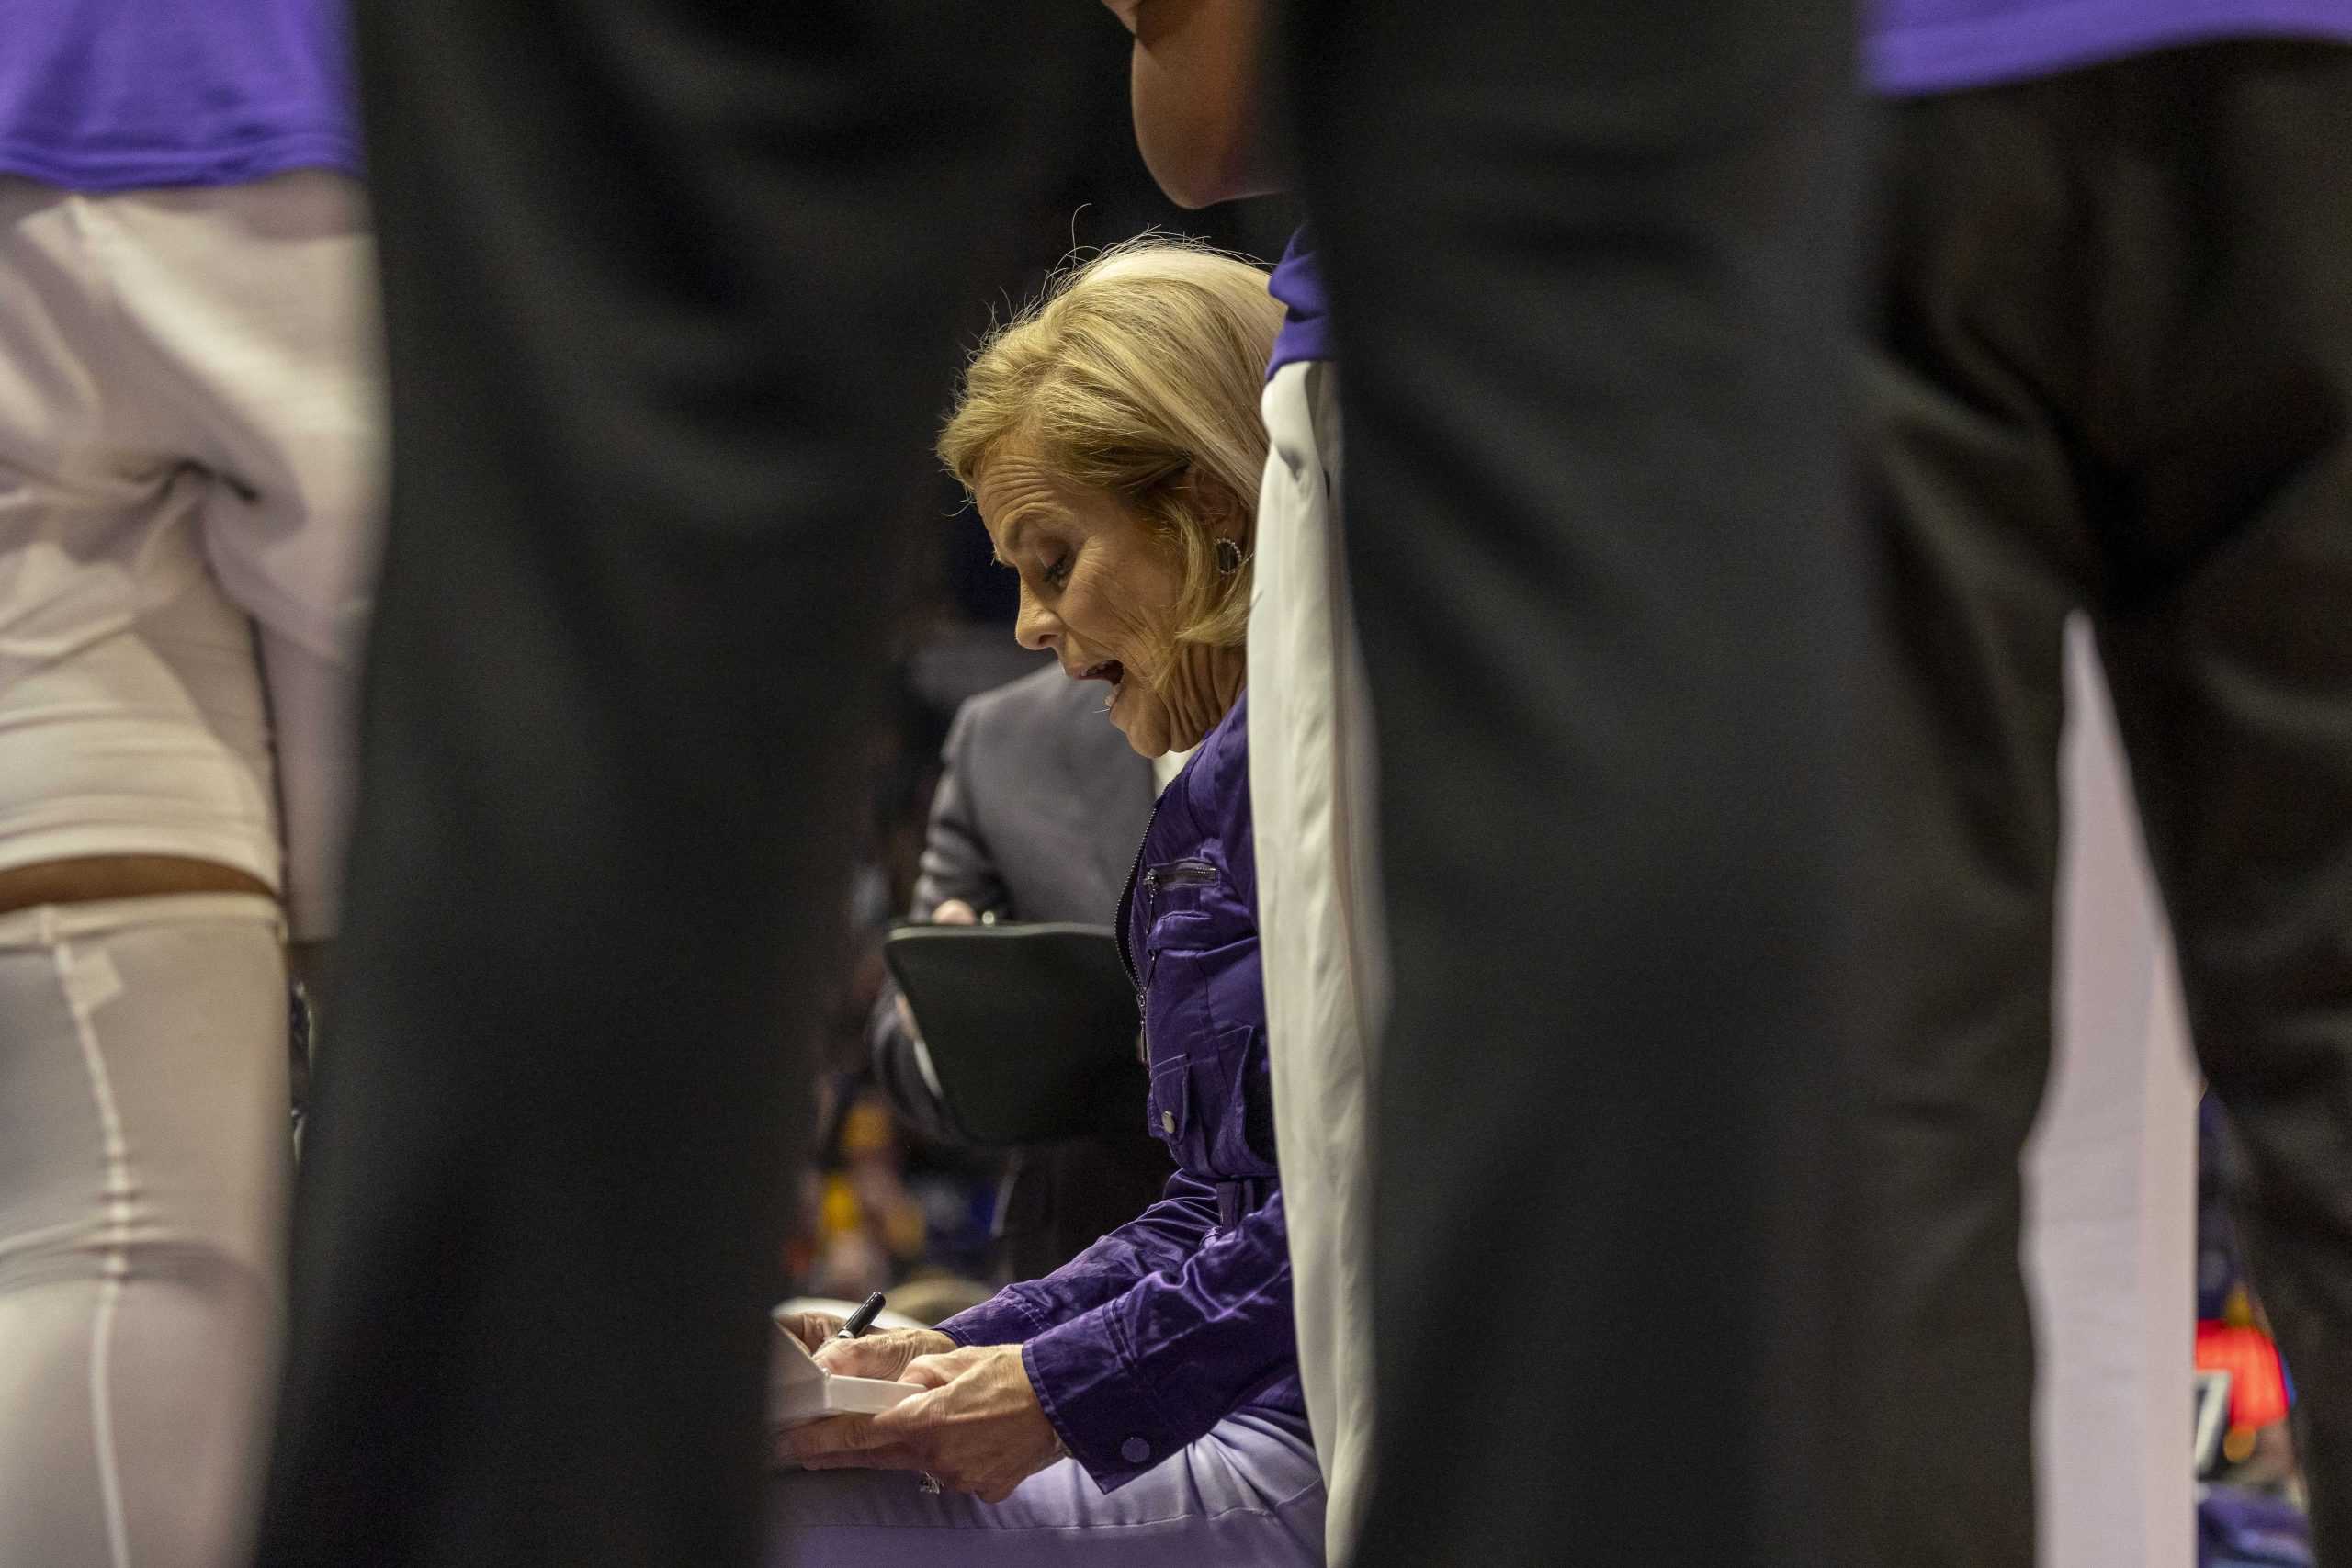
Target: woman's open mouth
[{"x": 1111, "y": 671}]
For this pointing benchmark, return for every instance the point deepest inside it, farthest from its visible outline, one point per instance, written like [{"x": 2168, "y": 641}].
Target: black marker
[{"x": 862, "y": 1318}]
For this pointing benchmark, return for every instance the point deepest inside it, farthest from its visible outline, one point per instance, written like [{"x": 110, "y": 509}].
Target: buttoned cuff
[
  {"x": 1108, "y": 1416},
  {"x": 1003, "y": 1319}
]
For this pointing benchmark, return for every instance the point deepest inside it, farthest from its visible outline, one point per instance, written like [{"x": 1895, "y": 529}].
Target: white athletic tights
[
  {"x": 1311, "y": 749},
  {"x": 144, "y": 1159}
]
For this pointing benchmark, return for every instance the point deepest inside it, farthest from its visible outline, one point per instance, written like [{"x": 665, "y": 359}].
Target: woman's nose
[{"x": 1033, "y": 627}]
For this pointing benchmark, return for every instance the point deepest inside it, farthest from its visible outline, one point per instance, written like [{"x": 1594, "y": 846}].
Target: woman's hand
[
  {"x": 882, "y": 1353},
  {"x": 885, "y": 1353},
  {"x": 811, "y": 1329},
  {"x": 980, "y": 1428}
]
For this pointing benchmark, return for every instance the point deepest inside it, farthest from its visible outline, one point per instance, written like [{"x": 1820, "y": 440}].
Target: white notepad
[{"x": 799, "y": 1391}]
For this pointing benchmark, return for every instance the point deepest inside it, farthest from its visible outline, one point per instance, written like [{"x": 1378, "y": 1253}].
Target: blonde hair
[{"x": 1138, "y": 373}]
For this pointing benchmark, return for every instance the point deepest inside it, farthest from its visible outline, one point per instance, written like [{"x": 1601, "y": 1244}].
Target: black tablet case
[{"x": 1032, "y": 1027}]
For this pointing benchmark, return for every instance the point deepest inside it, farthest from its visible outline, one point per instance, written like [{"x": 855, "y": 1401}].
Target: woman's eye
[{"x": 1058, "y": 573}]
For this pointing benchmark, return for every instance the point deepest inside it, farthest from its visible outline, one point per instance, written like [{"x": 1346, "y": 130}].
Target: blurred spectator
[
  {"x": 884, "y": 1200},
  {"x": 2257, "y": 1447},
  {"x": 870, "y": 1227}
]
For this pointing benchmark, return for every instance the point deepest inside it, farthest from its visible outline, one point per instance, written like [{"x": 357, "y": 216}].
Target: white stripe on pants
[
  {"x": 144, "y": 1153},
  {"x": 2111, "y": 1181},
  {"x": 1318, "y": 917}
]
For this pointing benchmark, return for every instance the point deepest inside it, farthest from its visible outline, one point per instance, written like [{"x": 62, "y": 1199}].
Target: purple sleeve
[
  {"x": 1137, "y": 1378},
  {"x": 1157, "y": 1241}
]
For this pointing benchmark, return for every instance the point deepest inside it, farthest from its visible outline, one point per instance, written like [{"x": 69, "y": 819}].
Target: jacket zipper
[
  {"x": 1179, "y": 874},
  {"x": 1127, "y": 907},
  {"x": 1127, "y": 903}
]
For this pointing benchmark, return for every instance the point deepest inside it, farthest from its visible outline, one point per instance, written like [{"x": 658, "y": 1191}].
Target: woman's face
[{"x": 1099, "y": 589}]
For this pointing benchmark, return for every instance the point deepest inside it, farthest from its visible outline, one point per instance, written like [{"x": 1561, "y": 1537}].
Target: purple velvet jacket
[{"x": 1177, "y": 1319}]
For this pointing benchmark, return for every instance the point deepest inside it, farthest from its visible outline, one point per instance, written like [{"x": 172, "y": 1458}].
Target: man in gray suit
[{"x": 1037, "y": 817}]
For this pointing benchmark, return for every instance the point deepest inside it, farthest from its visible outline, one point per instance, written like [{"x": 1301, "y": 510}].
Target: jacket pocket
[
  {"x": 1174, "y": 896},
  {"x": 1176, "y": 919}
]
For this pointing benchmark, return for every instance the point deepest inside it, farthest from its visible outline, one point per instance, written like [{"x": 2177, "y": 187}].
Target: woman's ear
[{"x": 1217, "y": 505}]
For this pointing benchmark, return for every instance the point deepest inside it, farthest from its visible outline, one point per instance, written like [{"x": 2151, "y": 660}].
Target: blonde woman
[{"x": 1140, "y": 1404}]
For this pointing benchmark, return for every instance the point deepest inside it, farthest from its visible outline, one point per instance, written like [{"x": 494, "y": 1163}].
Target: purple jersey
[
  {"x": 114, "y": 95},
  {"x": 1306, "y": 326},
  {"x": 1932, "y": 46}
]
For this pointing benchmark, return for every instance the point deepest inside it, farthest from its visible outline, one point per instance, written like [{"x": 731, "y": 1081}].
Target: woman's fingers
[
  {"x": 897, "y": 1457},
  {"x": 811, "y": 1329},
  {"x": 833, "y": 1436},
  {"x": 939, "y": 1370},
  {"x": 883, "y": 1354},
  {"x": 869, "y": 1357},
  {"x": 843, "y": 1442},
  {"x": 976, "y": 1425}
]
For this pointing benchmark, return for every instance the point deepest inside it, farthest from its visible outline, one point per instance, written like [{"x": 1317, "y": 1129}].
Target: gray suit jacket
[
  {"x": 1038, "y": 817},
  {"x": 1041, "y": 809}
]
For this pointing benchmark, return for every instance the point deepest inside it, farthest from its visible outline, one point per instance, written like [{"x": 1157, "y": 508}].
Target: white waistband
[{"x": 46, "y": 925}]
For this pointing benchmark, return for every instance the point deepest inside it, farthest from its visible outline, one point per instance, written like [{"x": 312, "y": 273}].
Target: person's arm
[
  {"x": 957, "y": 860},
  {"x": 1158, "y": 1241},
  {"x": 1151, "y": 1370},
  {"x": 1118, "y": 1388},
  {"x": 957, "y": 866}
]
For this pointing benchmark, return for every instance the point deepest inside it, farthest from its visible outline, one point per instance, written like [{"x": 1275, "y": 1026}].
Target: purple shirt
[
  {"x": 1298, "y": 283},
  {"x": 1933, "y": 46},
  {"x": 115, "y": 95},
  {"x": 1149, "y": 1338}
]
